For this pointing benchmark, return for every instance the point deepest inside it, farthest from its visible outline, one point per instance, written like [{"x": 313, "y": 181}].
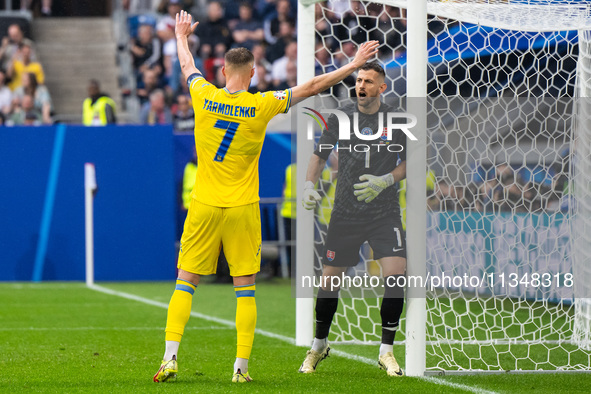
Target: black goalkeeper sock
[
  {"x": 326, "y": 306},
  {"x": 391, "y": 309}
]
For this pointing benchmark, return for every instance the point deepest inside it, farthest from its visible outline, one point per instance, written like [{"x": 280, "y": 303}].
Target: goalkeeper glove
[
  {"x": 311, "y": 196},
  {"x": 368, "y": 191}
]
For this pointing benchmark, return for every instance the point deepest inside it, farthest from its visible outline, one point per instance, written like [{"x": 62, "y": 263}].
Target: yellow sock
[
  {"x": 179, "y": 310},
  {"x": 246, "y": 319}
]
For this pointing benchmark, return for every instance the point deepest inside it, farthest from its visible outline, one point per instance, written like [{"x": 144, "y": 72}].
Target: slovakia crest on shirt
[
  {"x": 280, "y": 94},
  {"x": 330, "y": 255},
  {"x": 366, "y": 131}
]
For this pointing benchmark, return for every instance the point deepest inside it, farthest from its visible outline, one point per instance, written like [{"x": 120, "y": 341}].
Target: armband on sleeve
[{"x": 192, "y": 77}]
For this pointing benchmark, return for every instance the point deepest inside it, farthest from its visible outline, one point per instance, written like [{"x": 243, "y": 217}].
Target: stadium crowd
[
  {"x": 24, "y": 99},
  {"x": 266, "y": 27}
]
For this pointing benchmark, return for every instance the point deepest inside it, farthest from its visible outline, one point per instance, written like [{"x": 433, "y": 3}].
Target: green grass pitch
[{"x": 66, "y": 338}]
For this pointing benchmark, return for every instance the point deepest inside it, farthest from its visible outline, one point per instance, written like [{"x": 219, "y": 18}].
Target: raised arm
[
  {"x": 183, "y": 29},
  {"x": 322, "y": 82}
]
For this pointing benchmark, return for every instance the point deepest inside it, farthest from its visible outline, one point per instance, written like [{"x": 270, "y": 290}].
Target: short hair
[
  {"x": 239, "y": 57},
  {"x": 157, "y": 93},
  {"x": 375, "y": 66}
]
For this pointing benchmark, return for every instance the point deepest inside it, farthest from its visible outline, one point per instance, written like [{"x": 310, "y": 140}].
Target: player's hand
[
  {"x": 374, "y": 185},
  {"x": 366, "y": 51},
  {"x": 311, "y": 196},
  {"x": 184, "y": 25}
]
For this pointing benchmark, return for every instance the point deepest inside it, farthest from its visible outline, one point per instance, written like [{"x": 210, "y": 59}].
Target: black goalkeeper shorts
[{"x": 344, "y": 238}]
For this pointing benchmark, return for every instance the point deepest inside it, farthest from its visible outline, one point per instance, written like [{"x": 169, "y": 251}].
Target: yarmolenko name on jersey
[{"x": 228, "y": 109}]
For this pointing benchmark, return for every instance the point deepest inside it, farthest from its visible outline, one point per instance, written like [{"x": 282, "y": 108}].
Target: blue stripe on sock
[
  {"x": 186, "y": 288},
  {"x": 245, "y": 293},
  {"x": 245, "y": 285},
  {"x": 186, "y": 281}
]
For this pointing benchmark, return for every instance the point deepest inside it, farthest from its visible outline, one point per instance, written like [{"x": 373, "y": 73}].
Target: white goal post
[{"x": 509, "y": 64}]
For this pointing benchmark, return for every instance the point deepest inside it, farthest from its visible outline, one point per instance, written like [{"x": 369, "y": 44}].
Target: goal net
[{"x": 509, "y": 168}]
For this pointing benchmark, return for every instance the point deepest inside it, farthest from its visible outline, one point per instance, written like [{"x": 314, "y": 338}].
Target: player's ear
[
  {"x": 383, "y": 87},
  {"x": 224, "y": 71},
  {"x": 252, "y": 70}
]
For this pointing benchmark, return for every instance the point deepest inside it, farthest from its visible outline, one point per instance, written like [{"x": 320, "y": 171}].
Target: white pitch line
[
  {"x": 223, "y": 322},
  {"x": 283, "y": 338},
  {"x": 459, "y": 386},
  {"x": 105, "y": 328}
]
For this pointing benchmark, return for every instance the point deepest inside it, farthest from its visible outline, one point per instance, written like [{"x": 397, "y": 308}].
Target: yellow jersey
[{"x": 229, "y": 133}]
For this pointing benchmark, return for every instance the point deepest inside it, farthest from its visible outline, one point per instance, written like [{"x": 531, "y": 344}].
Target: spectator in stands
[
  {"x": 247, "y": 32},
  {"x": 347, "y": 52},
  {"x": 391, "y": 31},
  {"x": 291, "y": 79},
  {"x": 326, "y": 21},
  {"x": 271, "y": 26},
  {"x": 286, "y": 35},
  {"x": 22, "y": 63},
  {"x": 165, "y": 32},
  {"x": 145, "y": 49},
  {"x": 506, "y": 192},
  {"x": 24, "y": 112},
  {"x": 165, "y": 26},
  {"x": 347, "y": 87},
  {"x": 279, "y": 72},
  {"x": 324, "y": 63},
  {"x": 45, "y": 6},
  {"x": 5, "y": 95},
  {"x": 258, "y": 51},
  {"x": 10, "y": 45},
  {"x": 264, "y": 8},
  {"x": 498, "y": 188},
  {"x": 155, "y": 111},
  {"x": 98, "y": 109},
  {"x": 42, "y": 99},
  {"x": 150, "y": 82},
  {"x": 211, "y": 65},
  {"x": 350, "y": 26},
  {"x": 184, "y": 4},
  {"x": 220, "y": 78},
  {"x": 214, "y": 30},
  {"x": 263, "y": 80},
  {"x": 484, "y": 182},
  {"x": 138, "y": 6},
  {"x": 184, "y": 117}
]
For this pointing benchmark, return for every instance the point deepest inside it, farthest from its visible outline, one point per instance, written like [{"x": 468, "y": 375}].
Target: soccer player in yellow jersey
[{"x": 230, "y": 128}]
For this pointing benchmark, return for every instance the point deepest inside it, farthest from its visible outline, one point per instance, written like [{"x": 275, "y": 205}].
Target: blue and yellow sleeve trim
[
  {"x": 288, "y": 104},
  {"x": 193, "y": 78}
]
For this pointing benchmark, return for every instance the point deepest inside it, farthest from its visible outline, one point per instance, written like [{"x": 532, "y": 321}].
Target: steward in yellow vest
[
  {"x": 288, "y": 208},
  {"x": 98, "y": 109}
]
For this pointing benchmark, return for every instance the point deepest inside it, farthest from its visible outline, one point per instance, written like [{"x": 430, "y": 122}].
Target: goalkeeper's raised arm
[{"x": 322, "y": 82}]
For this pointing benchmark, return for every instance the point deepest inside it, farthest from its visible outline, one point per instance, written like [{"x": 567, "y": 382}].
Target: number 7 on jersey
[{"x": 230, "y": 128}]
